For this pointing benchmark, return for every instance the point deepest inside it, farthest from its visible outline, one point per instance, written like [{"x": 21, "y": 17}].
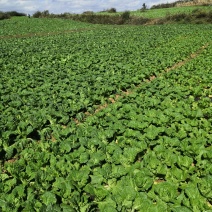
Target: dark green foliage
[
  {"x": 39, "y": 14},
  {"x": 144, "y": 7},
  {"x": 174, "y": 4},
  {"x": 138, "y": 20},
  {"x": 177, "y": 17},
  {"x": 97, "y": 19},
  {"x": 167, "y": 5},
  {"x": 125, "y": 16},
  {"x": 111, "y": 10},
  {"x": 4, "y": 16},
  {"x": 15, "y": 13},
  {"x": 88, "y": 12},
  {"x": 197, "y": 16},
  {"x": 8, "y": 15},
  {"x": 148, "y": 151}
]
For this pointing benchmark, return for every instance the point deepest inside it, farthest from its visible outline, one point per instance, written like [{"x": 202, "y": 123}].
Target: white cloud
[
  {"x": 17, "y": 5},
  {"x": 73, "y": 6}
]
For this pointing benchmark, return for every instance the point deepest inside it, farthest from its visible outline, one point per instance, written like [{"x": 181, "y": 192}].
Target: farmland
[
  {"x": 111, "y": 118},
  {"x": 161, "y": 13},
  {"x": 23, "y": 26}
]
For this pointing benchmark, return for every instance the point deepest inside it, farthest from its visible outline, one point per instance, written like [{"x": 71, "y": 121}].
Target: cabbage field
[{"x": 111, "y": 118}]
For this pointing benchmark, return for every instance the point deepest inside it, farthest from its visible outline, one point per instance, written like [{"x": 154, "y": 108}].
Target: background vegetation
[
  {"x": 8, "y": 15},
  {"x": 196, "y": 14},
  {"x": 157, "y": 14}
]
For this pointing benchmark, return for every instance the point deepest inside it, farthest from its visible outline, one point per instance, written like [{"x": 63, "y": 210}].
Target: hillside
[
  {"x": 185, "y": 14},
  {"x": 162, "y": 12}
]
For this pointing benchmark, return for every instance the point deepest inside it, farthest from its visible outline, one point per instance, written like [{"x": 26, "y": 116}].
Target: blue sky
[{"x": 74, "y": 6}]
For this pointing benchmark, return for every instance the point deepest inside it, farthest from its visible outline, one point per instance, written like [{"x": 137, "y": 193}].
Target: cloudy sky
[{"x": 74, "y": 6}]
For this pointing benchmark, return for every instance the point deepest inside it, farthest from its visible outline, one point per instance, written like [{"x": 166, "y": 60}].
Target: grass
[
  {"x": 191, "y": 14},
  {"x": 161, "y": 13}
]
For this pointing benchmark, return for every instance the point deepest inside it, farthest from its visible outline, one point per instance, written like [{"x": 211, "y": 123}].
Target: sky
[{"x": 74, "y": 6}]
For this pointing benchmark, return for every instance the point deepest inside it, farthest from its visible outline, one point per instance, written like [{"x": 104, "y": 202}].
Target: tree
[
  {"x": 45, "y": 13},
  {"x": 144, "y": 7}
]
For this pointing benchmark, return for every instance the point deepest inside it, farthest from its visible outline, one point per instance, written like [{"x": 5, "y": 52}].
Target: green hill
[
  {"x": 189, "y": 14},
  {"x": 163, "y": 12}
]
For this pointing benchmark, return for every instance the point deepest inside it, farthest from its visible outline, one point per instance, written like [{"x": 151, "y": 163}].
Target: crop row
[
  {"x": 148, "y": 151},
  {"x": 63, "y": 76},
  {"x": 24, "y": 25}
]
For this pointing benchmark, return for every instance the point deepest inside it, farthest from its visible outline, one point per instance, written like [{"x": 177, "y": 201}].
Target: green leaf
[
  {"x": 118, "y": 171},
  {"x": 167, "y": 191},
  {"x": 143, "y": 179},
  {"x": 108, "y": 205},
  {"x": 10, "y": 152},
  {"x": 67, "y": 208},
  {"x": 29, "y": 130},
  {"x": 196, "y": 200},
  {"x": 181, "y": 209},
  {"x": 96, "y": 179},
  {"x": 62, "y": 186},
  {"x": 19, "y": 191},
  {"x": 100, "y": 193},
  {"x": 48, "y": 198},
  {"x": 179, "y": 174},
  {"x": 142, "y": 203},
  {"x": 199, "y": 113},
  {"x": 184, "y": 161},
  {"x": 130, "y": 154},
  {"x": 152, "y": 132},
  {"x": 84, "y": 157},
  {"x": 205, "y": 186},
  {"x": 124, "y": 191}
]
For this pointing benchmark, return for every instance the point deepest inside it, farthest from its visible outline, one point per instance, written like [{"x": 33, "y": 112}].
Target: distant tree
[
  {"x": 166, "y": 5},
  {"x": 45, "y": 13},
  {"x": 4, "y": 16},
  {"x": 144, "y": 7},
  {"x": 112, "y": 10},
  {"x": 125, "y": 16},
  {"x": 15, "y": 13},
  {"x": 88, "y": 12},
  {"x": 37, "y": 14}
]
